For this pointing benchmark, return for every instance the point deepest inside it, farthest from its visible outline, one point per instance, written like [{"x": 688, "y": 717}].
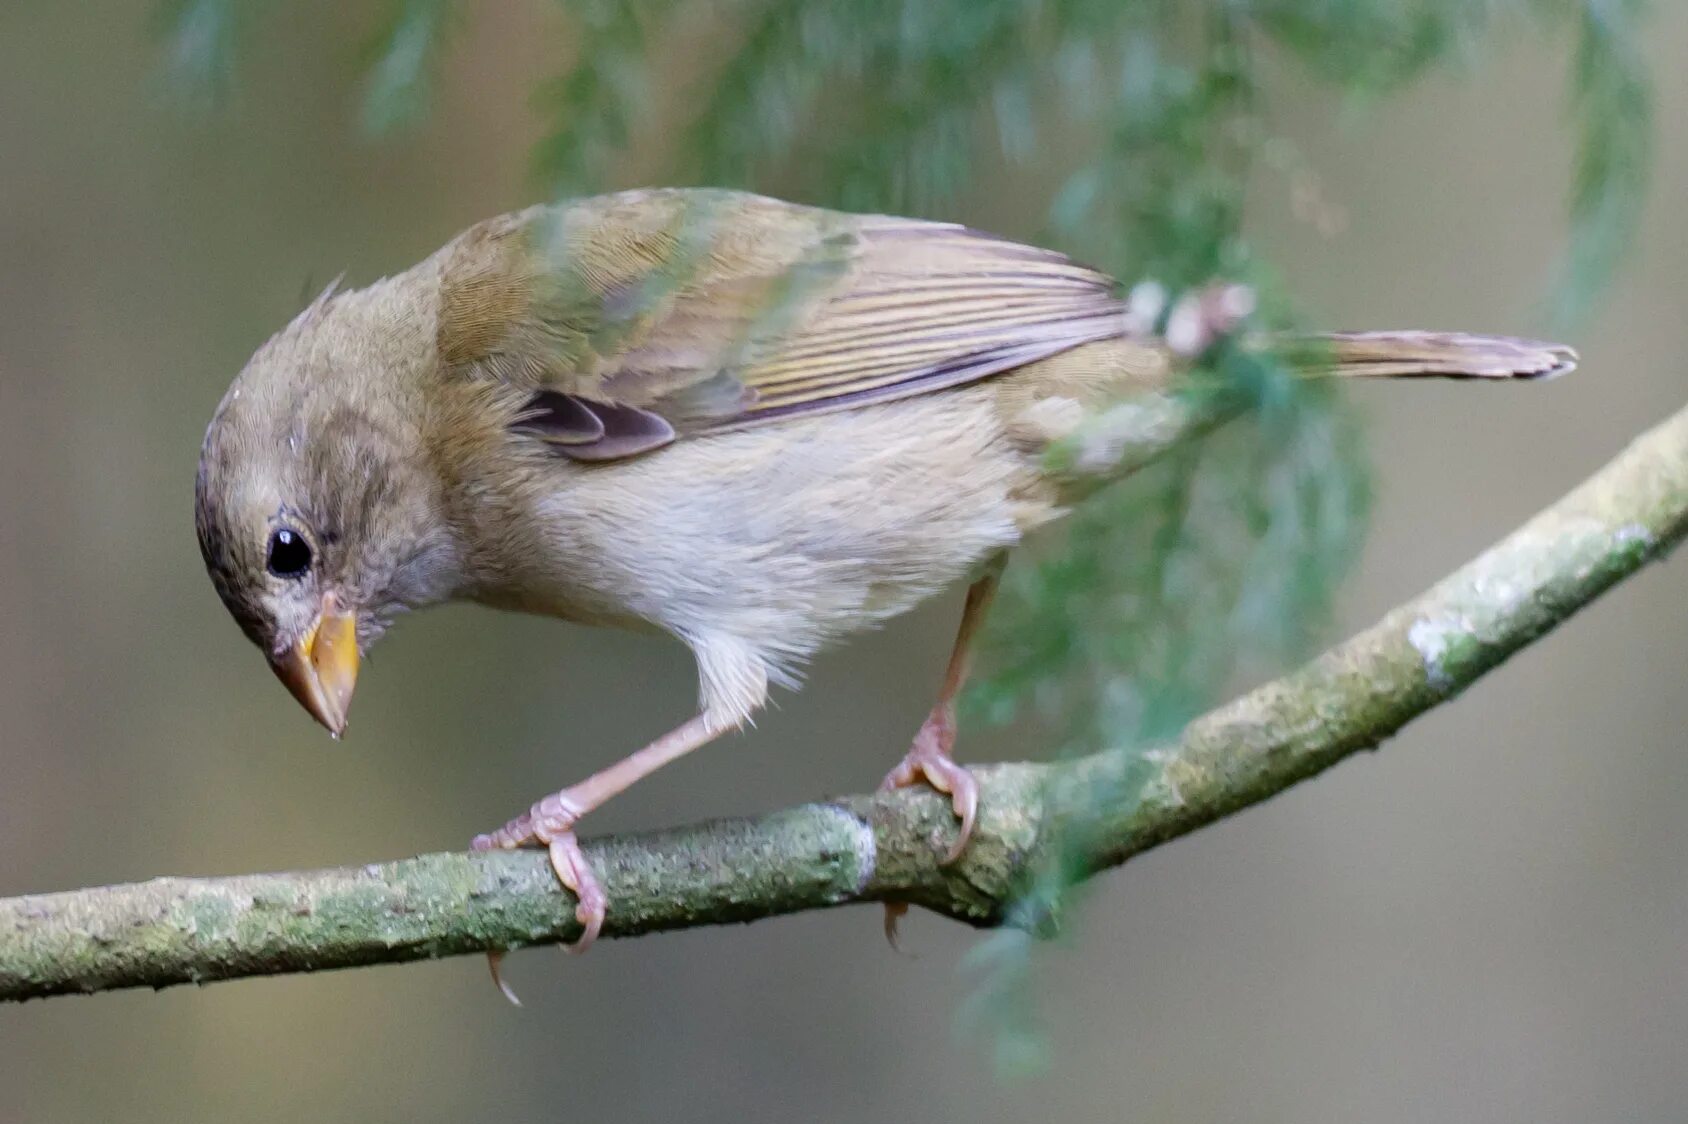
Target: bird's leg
[
  {"x": 551, "y": 821},
  {"x": 929, "y": 758}
]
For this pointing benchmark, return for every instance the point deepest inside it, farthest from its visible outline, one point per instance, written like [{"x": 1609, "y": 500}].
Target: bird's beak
[{"x": 322, "y": 668}]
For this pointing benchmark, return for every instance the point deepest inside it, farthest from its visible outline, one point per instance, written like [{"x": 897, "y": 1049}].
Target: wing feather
[
  {"x": 925, "y": 307},
  {"x": 710, "y": 310}
]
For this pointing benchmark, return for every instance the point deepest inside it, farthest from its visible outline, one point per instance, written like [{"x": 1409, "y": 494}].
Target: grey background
[{"x": 1485, "y": 921}]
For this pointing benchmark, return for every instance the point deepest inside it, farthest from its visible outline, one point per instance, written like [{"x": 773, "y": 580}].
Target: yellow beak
[{"x": 322, "y": 668}]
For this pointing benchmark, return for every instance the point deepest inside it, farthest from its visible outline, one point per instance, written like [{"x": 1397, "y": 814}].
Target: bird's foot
[
  {"x": 550, "y": 823},
  {"x": 929, "y": 761}
]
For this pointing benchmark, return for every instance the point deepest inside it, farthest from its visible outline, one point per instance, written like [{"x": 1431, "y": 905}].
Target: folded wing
[{"x": 715, "y": 310}]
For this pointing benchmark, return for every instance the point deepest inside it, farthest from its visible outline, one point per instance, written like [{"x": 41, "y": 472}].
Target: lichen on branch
[{"x": 886, "y": 847}]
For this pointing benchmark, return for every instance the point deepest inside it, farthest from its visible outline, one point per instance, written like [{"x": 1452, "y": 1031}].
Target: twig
[{"x": 178, "y": 930}]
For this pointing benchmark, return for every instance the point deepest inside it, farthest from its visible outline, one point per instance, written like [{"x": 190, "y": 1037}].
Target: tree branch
[{"x": 882, "y": 848}]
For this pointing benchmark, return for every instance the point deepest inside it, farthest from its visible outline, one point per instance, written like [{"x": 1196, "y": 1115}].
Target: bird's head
[{"x": 315, "y": 505}]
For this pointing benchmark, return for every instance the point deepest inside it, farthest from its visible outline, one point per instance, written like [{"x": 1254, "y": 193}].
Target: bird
[{"x": 755, "y": 426}]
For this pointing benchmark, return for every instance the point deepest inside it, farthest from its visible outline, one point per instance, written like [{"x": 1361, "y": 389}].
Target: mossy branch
[{"x": 881, "y": 848}]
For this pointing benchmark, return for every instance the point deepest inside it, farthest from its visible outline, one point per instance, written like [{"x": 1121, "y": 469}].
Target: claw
[
  {"x": 575, "y": 872},
  {"x": 894, "y": 913},
  {"x": 946, "y": 776},
  {"x": 494, "y": 959}
]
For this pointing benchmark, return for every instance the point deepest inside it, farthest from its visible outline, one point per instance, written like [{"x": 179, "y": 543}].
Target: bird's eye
[{"x": 290, "y": 555}]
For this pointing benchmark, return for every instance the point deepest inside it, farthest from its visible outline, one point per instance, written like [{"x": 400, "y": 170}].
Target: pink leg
[
  {"x": 930, "y": 758},
  {"x": 551, "y": 822}
]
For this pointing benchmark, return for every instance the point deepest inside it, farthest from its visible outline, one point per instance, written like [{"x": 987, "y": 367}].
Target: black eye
[{"x": 289, "y": 555}]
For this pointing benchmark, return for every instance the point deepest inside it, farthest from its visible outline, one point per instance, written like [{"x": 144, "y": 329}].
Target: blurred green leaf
[
  {"x": 402, "y": 74},
  {"x": 594, "y": 104},
  {"x": 200, "y": 40},
  {"x": 1611, "y": 109}
]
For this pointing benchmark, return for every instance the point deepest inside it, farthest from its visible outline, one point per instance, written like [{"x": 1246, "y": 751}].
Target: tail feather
[{"x": 1451, "y": 355}]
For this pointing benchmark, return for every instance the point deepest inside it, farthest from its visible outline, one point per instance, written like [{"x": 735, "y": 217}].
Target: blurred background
[{"x": 1484, "y": 921}]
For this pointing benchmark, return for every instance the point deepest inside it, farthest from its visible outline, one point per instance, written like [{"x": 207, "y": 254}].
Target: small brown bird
[{"x": 755, "y": 426}]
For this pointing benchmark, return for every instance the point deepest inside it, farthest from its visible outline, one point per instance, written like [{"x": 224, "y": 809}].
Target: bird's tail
[
  {"x": 1143, "y": 427},
  {"x": 1448, "y": 355}
]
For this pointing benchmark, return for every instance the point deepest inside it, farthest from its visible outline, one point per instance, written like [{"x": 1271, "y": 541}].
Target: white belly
[{"x": 782, "y": 539}]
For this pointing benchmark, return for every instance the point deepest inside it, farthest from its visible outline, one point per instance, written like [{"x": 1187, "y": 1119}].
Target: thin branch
[{"x": 179, "y": 930}]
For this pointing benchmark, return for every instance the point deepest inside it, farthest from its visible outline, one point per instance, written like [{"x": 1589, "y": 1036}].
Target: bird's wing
[{"x": 640, "y": 317}]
